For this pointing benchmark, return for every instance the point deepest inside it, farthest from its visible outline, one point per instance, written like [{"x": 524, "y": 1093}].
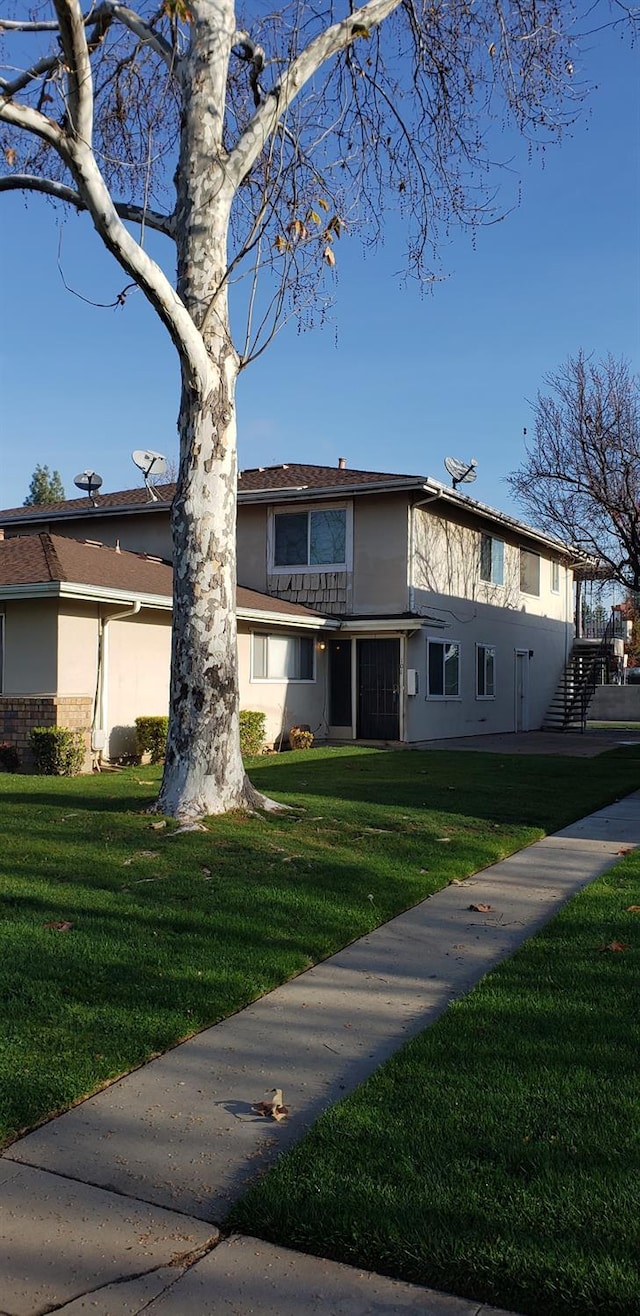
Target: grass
[
  {"x": 171, "y": 933},
  {"x": 497, "y": 1156}
]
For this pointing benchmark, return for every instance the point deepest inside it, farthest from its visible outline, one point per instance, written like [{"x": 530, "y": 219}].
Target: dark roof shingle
[{"x": 45, "y": 559}]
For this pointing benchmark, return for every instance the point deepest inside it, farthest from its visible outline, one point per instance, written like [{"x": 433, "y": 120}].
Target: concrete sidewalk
[{"x": 113, "y": 1208}]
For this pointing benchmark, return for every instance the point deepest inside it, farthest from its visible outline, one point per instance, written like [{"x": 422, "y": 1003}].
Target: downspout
[{"x": 99, "y": 733}]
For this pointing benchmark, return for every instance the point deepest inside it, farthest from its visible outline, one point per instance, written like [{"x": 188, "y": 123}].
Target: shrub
[
  {"x": 300, "y": 737},
  {"x": 9, "y": 761},
  {"x": 252, "y": 730},
  {"x": 57, "y": 751},
  {"x": 151, "y": 737}
]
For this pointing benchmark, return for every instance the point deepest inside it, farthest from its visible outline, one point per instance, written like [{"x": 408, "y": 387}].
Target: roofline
[
  {"x": 63, "y": 589},
  {"x": 308, "y": 493},
  {"x": 164, "y": 602}
]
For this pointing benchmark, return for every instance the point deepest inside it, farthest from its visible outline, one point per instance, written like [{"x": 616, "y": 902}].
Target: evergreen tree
[{"x": 46, "y": 487}]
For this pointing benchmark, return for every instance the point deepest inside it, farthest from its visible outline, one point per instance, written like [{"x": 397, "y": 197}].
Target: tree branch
[
  {"x": 23, "y": 116},
  {"x": 320, "y": 49},
  {"x": 61, "y": 192},
  {"x": 78, "y": 64},
  {"x": 145, "y": 33}
]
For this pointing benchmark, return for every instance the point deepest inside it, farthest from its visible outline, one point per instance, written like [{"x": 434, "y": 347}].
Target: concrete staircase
[{"x": 569, "y": 707}]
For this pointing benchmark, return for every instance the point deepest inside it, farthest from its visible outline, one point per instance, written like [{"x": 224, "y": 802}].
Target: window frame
[
  {"x": 433, "y": 640},
  {"x": 487, "y": 648},
  {"x": 531, "y": 553},
  {"x": 493, "y": 539},
  {"x": 281, "y": 680},
  {"x": 308, "y": 509}
]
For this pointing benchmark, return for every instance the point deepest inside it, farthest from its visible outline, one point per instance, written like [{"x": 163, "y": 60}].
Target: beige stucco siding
[
  {"x": 138, "y": 675},
  {"x": 284, "y": 703},
  {"x": 380, "y": 533},
  {"x": 446, "y": 561},
  {"x": 31, "y": 659},
  {"x": 546, "y": 642},
  {"x": 141, "y": 532},
  {"x": 252, "y": 547},
  {"x": 77, "y": 648}
]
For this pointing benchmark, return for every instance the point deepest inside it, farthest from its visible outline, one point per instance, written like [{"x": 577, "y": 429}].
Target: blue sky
[{"x": 396, "y": 380}]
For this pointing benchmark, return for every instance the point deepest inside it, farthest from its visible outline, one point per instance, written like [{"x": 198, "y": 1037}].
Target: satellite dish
[
  {"x": 460, "y": 472},
  {"x": 150, "y": 463},
  {"x": 90, "y": 482}
]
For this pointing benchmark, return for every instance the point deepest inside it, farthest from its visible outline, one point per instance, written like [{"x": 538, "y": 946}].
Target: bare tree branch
[
  {"x": 336, "y": 38},
  {"x": 145, "y": 33},
  {"x": 61, "y": 192}
]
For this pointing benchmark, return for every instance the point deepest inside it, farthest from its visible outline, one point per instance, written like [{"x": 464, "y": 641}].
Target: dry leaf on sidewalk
[
  {"x": 481, "y": 909},
  {"x": 274, "y": 1108}
]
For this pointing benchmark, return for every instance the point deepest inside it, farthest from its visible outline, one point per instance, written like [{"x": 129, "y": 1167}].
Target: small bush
[
  {"x": 252, "y": 731},
  {"x": 57, "y": 751},
  {"x": 151, "y": 737},
  {"x": 9, "y": 760},
  {"x": 300, "y": 737}
]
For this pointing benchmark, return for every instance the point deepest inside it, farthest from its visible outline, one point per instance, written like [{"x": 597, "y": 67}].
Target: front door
[
  {"x": 521, "y": 676},
  {"x": 340, "y": 683},
  {"x": 378, "y": 690}
]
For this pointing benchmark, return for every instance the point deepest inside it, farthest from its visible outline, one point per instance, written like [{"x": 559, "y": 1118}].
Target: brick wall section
[
  {"x": 323, "y": 591},
  {"x": 19, "y": 714}
]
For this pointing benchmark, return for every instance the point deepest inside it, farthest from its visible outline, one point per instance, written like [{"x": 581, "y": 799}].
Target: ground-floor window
[
  {"x": 282, "y": 658},
  {"x": 485, "y": 671},
  {"x": 443, "y": 669}
]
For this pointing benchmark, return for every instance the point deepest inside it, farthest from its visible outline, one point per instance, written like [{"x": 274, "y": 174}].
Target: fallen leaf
[
  {"x": 424, "y": 870},
  {"x": 273, "y": 1108},
  {"x": 189, "y": 827},
  {"x": 614, "y": 945},
  {"x": 444, "y": 840},
  {"x": 633, "y": 909},
  {"x": 59, "y": 925},
  {"x": 455, "y": 881},
  {"x": 157, "y": 827},
  {"x": 480, "y": 909},
  {"x": 627, "y": 851},
  {"x": 205, "y": 870}
]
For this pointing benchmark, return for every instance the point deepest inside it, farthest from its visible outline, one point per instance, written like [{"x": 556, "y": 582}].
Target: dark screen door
[
  {"x": 340, "y": 683},
  {"x": 379, "y": 689}
]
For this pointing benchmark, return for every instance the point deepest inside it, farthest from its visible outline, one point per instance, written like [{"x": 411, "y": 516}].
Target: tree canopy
[
  {"x": 46, "y": 487},
  {"x": 580, "y": 478}
]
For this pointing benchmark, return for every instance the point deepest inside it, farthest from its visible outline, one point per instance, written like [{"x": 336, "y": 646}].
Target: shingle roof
[
  {"x": 45, "y": 559},
  {"x": 286, "y": 476}
]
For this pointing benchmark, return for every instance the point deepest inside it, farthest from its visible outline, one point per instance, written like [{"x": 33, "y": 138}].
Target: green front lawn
[
  {"x": 497, "y": 1156},
  {"x": 171, "y": 933}
]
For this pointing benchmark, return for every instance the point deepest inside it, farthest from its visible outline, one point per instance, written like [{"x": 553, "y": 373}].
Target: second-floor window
[
  {"x": 492, "y": 559},
  {"x": 310, "y": 539},
  {"x": 529, "y": 572}
]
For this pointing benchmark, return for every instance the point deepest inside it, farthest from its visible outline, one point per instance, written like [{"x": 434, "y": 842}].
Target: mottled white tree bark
[{"x": 248, "y": 156}]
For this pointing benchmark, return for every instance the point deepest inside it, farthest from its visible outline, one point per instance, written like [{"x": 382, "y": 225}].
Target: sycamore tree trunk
[{"x": 204, "y": 773}]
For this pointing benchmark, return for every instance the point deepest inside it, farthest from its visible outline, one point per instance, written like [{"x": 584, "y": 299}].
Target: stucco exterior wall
[
  {"x": 252, "y": 546},
  {"x": 380, "y": 537},
  {"x": 138, "y": 675},
  {"x": 545, "y": 641},
  {"x": 446, "y": 560},
  {"x": 77, "y": 648},
  {"x": 31, "y": 655},
  {"x": 285, "y": 703},
  {"x": 140, "y": 532}
]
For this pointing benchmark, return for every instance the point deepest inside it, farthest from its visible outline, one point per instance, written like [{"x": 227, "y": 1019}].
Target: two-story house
[{"x": 381, "y": 607}]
